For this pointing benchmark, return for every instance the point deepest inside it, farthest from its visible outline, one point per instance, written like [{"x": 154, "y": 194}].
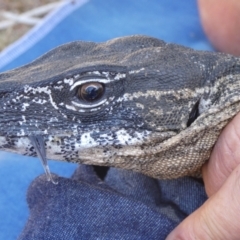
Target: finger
[
  {"x": 224, "y": 158},
  {"x": 218, "y": 218},
  {"x": 220, "y": 20}
]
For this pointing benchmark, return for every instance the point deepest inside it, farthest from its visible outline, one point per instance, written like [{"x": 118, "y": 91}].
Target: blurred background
[{"x": 17, "y": 17}]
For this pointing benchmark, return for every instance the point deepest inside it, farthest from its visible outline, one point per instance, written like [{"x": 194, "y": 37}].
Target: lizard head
[{"x": 122, "y": 103}]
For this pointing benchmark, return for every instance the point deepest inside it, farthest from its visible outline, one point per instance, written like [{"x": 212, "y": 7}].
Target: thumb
[
  {"x": 224, "y": 158},
  {"x": 218, "y": 218}
]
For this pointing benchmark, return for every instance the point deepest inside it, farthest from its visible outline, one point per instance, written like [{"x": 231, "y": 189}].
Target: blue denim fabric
[{"x": 125, "y": 205}]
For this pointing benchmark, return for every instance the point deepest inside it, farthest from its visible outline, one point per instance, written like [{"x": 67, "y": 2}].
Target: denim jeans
[{"x": 124, "y": 205}]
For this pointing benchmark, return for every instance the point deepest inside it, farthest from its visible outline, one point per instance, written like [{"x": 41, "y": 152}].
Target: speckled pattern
[{"x": 140, "y": 122}]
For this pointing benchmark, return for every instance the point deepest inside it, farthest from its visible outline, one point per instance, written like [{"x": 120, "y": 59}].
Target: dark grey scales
[{"x": 134, "y": 102}]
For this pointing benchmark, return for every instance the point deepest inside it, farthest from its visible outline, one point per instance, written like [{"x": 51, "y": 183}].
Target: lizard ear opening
[{"x": 193, "y": 114}]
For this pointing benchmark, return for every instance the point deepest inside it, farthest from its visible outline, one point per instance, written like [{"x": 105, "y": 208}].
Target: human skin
[
  {"x": 221, "y": 23},
  {"x": 219, "y": 218}
]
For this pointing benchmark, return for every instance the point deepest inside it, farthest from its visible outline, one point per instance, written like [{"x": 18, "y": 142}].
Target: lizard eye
[{"x": 90, "y": 92}]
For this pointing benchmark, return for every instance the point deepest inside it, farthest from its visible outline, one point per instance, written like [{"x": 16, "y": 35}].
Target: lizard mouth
[{"x": 69, "y": 146}]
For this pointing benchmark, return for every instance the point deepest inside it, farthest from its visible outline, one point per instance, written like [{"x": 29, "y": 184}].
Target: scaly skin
[{"x": 134, "y": 102}]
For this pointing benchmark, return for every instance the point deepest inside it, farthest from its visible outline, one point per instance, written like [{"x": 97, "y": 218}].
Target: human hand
[
  {"x": 218, "y": 218},
  {"x": 221, "y": 21}
]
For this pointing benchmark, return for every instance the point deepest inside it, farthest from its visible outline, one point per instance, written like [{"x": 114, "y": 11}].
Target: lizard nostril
[
  {"x": 193, "y": 114},
  {"x": 91, "y": 91}
]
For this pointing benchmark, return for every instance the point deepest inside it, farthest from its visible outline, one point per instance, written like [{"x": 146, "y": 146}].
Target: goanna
[{"x": 133, "y": 102}]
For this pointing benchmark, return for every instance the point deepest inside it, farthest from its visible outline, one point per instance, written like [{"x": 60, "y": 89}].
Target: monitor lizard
[{"x": 133, "y": 102}]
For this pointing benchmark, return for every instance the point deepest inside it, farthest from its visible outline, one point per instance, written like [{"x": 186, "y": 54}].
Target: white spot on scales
[
  {"x": 68, "y": 81},
  {"x": 25, "y": 106},
  {"x": 46, "y": 90}
]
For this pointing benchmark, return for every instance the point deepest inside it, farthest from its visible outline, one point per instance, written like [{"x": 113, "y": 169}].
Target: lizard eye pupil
[{"x": 90, "y": 91}]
